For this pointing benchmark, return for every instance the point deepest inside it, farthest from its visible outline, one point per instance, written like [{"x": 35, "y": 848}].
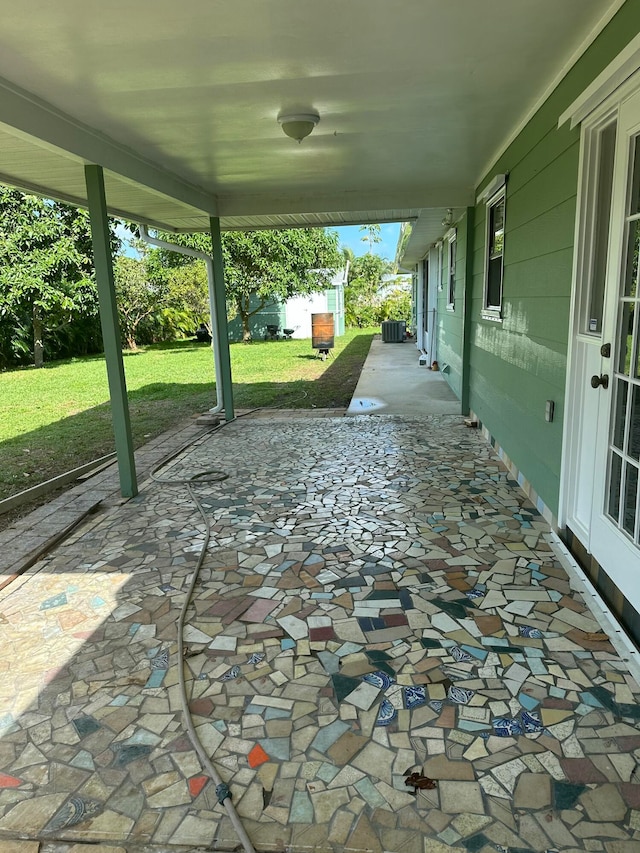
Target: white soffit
[{"x": 181, "y": 101}]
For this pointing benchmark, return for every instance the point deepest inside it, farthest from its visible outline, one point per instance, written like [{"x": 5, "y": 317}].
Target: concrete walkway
[{"x": 392, "y": 382}]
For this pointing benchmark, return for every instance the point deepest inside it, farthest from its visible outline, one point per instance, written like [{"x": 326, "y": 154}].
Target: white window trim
[
  {"x": 492, "y": 312},
  {"x": 450, "y": 238},
  {"x": 440, "y": 265}
]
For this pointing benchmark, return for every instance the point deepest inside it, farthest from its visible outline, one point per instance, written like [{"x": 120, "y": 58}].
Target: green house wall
[
  {"x": 450, "y": 322},
  {"x": 511, "y": 368}
]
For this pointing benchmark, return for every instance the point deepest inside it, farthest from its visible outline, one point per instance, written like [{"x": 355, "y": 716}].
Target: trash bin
[
  {"x": 322, "y": 333},
  {"x": 394, "y": 331}
]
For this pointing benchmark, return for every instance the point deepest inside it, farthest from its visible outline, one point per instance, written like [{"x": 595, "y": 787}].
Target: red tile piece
[
  {"x": 316, "y": 634},
  {"x": 9, "y": 781},
  {"x": 196, "y": 784},
  {"x": 257, "y": 756}
]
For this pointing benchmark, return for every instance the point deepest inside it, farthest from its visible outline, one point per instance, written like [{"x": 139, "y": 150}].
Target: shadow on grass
[{"x": 36, "y": 456}]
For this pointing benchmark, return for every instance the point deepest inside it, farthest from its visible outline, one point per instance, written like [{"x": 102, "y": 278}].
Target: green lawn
[{"x": 57, "y": 418}]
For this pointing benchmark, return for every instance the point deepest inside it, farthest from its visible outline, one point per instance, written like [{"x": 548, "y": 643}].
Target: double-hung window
[
  {"x": 452, "y": 246},
  {"x": 494, "y": 264}
]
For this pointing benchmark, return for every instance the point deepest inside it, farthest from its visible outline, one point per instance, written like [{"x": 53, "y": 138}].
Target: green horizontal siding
[{"x": 516, "y": 365}]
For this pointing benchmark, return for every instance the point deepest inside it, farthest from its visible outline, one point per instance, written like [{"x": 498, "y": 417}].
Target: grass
[{"x": 57, "y": 418}]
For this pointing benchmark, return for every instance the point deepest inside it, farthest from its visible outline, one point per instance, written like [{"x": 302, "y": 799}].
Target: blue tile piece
[
  {"x": 83, "y": 760},
  {"x": 277, "y": 747},
  {"x": 459, "y": 655},
  {"x": 327, "y": 736},
  {"x": 276, "y": 714},
  {"x": 120, "y": 700},
  {"x": 459, "y": 695},
  {"x": 96, "y": 601},
  {"x": 329, "y": 661},
  {"x": 480, "y": 654},
  {"x": 54, "y": 601},
  {"x": 301, "y": 808},
  {"x": 530, "y": 632},
  {"x": 348, "y": 649},
  {"x": 533, "y": 653},
  {"x": 528, "y": 702},
  {"x": 471, "y": 726},
  {"x": 76, "y": 810},
  {"x": 557, "y": 692},
  {"x": 327, "y": 772},
  {"x": 156, "y": 678},
  {"x": 287, "y": 643},
  {"x": 531, "y": 722},
  {"x": 414, "y": 696},
  {"x": 554, "y": 595},
  {"x": 475, "y": 593},
  {"x": 231, "y": 674},
  {"x": 379, "y": 679},
  {"x": 386, "y": 713},
  {"x": 134, "y": 627},
  {"x": 506, "y": 727},
  {"x": 589, "y": 699},
  {"x": 370, "y": 793}
]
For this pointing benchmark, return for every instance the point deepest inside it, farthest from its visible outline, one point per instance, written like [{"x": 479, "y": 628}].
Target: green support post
[
  {"x": 111, "y": 329},
  {"x": 221, "y": 331}
]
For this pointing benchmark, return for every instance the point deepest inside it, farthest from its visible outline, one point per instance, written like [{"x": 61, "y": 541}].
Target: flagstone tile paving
[{"x": 382, "y": 654}]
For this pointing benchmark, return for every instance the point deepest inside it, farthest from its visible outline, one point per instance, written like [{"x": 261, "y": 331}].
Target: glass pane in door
[
  {"x": 602, "y": 217},
  {"x": 624, "y": 447}
]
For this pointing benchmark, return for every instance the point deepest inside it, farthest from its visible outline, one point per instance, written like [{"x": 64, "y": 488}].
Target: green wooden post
[
  {"x": 111, "y": 329},
  {"x": 467, "y": 307},
  {"x": 221, "y": 331}
]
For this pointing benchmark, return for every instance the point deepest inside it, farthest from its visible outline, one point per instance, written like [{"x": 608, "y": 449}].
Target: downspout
[{"x": 215, "y": 342}]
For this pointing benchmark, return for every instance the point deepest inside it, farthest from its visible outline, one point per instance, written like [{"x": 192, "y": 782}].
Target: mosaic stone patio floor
[{"x": 378, "y": 600}]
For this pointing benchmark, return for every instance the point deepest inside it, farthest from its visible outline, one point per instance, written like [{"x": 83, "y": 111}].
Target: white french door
[{"x": 613, "y": 392}]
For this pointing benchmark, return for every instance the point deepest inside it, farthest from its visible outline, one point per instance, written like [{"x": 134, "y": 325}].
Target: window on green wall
[
  {"x": 494, "y": 266},
  {"x": 452, "y": 246}
]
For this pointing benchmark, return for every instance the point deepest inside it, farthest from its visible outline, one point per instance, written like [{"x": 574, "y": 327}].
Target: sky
[{"x": 351, "y": 236}]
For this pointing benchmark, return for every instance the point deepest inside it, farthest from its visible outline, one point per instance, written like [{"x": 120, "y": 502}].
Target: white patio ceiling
[{"x": 178, "y": 102}]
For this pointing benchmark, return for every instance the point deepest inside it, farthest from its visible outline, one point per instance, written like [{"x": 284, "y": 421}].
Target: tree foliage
[
  {"x": 261, "y": 266},
  {"x": 362, "y": 293},
  {"x": 46, "y": 277}
]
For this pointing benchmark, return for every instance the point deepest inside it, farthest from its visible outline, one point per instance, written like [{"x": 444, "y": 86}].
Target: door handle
[{"x": 603, "y": 380}]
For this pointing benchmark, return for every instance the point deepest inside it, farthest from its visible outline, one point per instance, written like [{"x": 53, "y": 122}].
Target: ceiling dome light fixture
[{"x": 299, "y": 125}]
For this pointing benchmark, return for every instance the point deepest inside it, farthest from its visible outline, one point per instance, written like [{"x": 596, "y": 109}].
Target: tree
[
  {"x": 372, "y": 235},
  {"x": 261, "y": 266},
  {"x": 46, "y": 274},
  {"x": 362, "y": 303},
  {"x": 139, "y": 299}
]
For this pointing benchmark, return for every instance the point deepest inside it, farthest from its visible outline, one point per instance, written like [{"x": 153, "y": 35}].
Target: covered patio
[{"x": 385, "y": 651}]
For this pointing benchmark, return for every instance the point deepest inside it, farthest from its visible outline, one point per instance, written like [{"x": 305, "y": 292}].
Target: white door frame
[{"x": 586, "y": 424}]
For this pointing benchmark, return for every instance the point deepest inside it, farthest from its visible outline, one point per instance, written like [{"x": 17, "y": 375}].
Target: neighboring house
[
  {"x": 529, "y": 303},
  {"x": 296, "y": 312}
]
